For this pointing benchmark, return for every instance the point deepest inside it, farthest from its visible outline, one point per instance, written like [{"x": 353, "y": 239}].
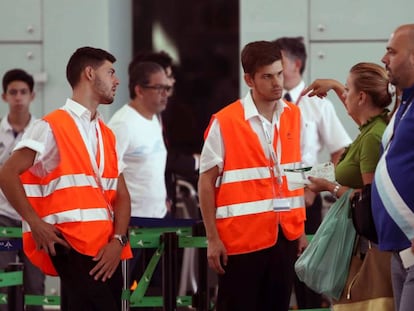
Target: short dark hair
[
  {"x": 258, "y": 54},
  {"x": 83, "y": 57},
  {"x": 294, "y": 47},
  {"x": 139, "y": 74},
  {"x": 17, "y": 75},
  {"x": 162, "y": 58}
]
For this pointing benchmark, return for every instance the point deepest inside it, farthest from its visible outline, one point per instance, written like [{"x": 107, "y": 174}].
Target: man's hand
[
  {"x": 46, "y": 236},
  {"x": 217, "y": 255},
  {"x": 108, "y": 259}
]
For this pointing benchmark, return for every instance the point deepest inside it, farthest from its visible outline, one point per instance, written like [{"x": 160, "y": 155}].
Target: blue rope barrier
[
  {"x": 11, "y": 245},
  {"x": 161, "y": 222}
]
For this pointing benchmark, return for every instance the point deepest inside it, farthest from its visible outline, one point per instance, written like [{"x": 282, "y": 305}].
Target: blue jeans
[{"x": 402, "y": 284}]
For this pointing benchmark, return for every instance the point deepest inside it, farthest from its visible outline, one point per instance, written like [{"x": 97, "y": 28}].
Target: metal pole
[
  {"x": 15, "y": 294},
  {"x": 201, "y": 297},
  {"x": 169, "y": 271},
  {"x": 125, "y": 302}
]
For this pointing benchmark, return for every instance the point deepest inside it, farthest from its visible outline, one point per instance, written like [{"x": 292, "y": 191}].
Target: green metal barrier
[
  {"x": 150, "y": 238},
  {"x": 139, "y": 238},
  {"x": 16, "y": 278},
  {"x": 10, "y": 232}
]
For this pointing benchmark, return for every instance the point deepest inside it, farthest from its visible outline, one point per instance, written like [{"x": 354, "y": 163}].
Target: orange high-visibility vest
[
  {"x": 70, "y": 196},
  {"x": 245, "y": 192}
]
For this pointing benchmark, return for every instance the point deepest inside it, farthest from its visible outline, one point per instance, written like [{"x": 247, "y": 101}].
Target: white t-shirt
[
  {"x": 141, "y": 147},
  {"x": 321, "y": 126},
  {"x": 7, "y": 143}
]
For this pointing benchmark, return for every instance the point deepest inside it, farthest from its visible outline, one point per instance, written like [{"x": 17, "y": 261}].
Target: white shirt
[
  {"x": 8, "y": 141},
  {"x": 40, "y": 138},
  {"x": 141, "y": 146},
  {"x": 213, "y": 148},
  {"x": 321, "y": 126}
]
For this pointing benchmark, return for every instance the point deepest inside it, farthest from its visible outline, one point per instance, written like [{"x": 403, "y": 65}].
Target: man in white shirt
[
  {"x": 322, "y": 130},
  {"x": 18, "y": 94},
  {"x": 140, "y": 142},
  {"x": 71, "y": 153},
  {"x": 140, "y": 145},
  {"x": 180, "y": 163},
  {"x": 254, "y": 223}
]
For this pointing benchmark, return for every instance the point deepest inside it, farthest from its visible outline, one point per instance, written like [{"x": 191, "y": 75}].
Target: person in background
[
  {"x": 141, "y": 146},
  {"x": 180, "y": 163},
  {"x": 18, "y": 94},
  {"x": 140, "y": 142},
  {"x": 366, "y": 96},
  {"x": 254, "y": 224},
  {"x": 392, "y": 191},
  {"x": 63, "y": 179},
  {"x": 322, "y": 130}
]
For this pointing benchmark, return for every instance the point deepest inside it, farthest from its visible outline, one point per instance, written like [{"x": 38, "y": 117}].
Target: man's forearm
[
  {"x": 122, "y": 208},
  {"x": 207, "y": 205}
]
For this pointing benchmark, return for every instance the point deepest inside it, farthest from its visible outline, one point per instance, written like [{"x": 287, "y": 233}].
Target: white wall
[
  {"x": 59, "y": 28},
  {"x": 68, "y": 25},
  {"x": 338, "y": 34},
  {"x": 40, "y": 35},
  {"x": 353, "y": 31},
  {"x": 270, "y": 19}
]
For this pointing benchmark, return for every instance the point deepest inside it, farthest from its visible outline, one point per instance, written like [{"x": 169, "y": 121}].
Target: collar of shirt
[
  {"x": 79, "y": 110},
  {"x": 295, "y": 92},
  {"x": 407, "y": 93},
  {"x": 86, "y": 126},
  {"x": 6, "y": 127},
  {"x": 250, "y": 109}
]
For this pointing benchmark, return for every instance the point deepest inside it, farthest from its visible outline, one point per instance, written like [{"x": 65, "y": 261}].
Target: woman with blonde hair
[{"x": 366, "y": 96}]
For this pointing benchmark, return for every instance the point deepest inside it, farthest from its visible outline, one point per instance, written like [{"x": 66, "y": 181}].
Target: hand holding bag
[
  {"x": 368, "y": 287},
  {"x": 323, "y": 266},
  {"x": 362, "y": 214}
]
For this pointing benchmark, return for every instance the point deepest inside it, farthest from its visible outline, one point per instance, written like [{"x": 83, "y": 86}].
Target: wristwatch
[{"x": 123, "y": 239}]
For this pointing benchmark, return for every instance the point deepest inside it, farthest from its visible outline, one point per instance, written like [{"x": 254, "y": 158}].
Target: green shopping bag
[{"x": 324, "y": 264}]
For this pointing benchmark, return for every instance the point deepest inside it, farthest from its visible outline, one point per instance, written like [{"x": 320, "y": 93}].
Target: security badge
[{"x": 281, "y": 204}]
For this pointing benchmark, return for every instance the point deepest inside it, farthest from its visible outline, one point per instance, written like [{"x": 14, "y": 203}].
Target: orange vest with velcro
[
  {"x": 71, "y": 197},
  {"x": 245, "y": 192}
]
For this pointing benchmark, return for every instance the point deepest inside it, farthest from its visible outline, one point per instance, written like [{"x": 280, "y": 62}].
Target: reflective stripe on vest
[
  {"x": 247, "y": 189},
  {"x": 250, "y": 173},
  {"x": 69, "y": 197},
  {"x": 77, "y": 180},
  {"x": 90, "y": 214},
  {"x": 256, "y": 207}
]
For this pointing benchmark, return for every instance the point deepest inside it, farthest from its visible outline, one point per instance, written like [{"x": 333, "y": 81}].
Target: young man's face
[
  {"x": 18, "y": 96},
  {"x": 267, "y": 82},
  {"x": 106, "y": 82}
]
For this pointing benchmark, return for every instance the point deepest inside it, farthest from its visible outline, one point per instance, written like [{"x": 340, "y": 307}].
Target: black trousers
[
  {"x": 79, "y": 290},
  {"x": 261, "y": 280},
  {"x": 305, "y": 297}
]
